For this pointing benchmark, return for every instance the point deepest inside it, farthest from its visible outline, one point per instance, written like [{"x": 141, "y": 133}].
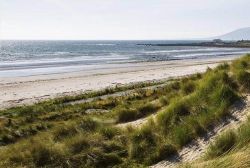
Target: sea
[{"x": 27, "y": 58}]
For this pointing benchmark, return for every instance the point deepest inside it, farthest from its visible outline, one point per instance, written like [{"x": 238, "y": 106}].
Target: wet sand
[{"x": 27, "y": 90}]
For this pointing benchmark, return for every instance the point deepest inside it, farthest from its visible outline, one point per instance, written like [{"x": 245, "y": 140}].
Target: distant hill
[{"x": 240, "y": 34}]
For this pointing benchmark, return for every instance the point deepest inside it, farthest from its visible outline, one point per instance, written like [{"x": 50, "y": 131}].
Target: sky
[{"x": 120, "y": 19}]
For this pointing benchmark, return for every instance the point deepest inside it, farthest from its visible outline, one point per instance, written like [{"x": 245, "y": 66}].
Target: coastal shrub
[
  {"x": 185, "y": 79},
  {"x": 229, "y": 81},
  {"x": 224, "y": 66},
  {"x": 7, "y": 139},
  {"x": 108, "y": 103},
  {"x": 179, "y": 107},
  {"x": 19, "y": 158},
  {"x": 106, "y": 91},
  {"x": 147, "y": 109},
  {"x": 36, "y": 153},
  {"x": 126, "y": 115},
  {"x": 172, "y": 114},
  {"x": 143, "y": 143},
  {"x": 240, "y": 64},
  {"x": 77, "y": 143},
  {"x": 110, "y": 132},
  {"x": 209, "y": 82},
  {"x": 139, "y": 109},
  {"x": 224, "y": 94},
  {"x": 176, "y": 85},
  {"x": 181, "y": 135},
  {"x": 243, "y": 134},
  {"x": 64, "y": 131},
  {"x": 243, "y": 78},
  {"x": 188, "y": 87},
  {"x": 114, "y": 147},
  {"x": 166, "y": 119},
  {"x": 88, "y": 124},
  {"x": 43, "y": 155},
  {"x": 221, "y": 112},
  {"x": 98, "y": 159},
  {"x": 108, "y": 160},
  {"x": 195, "y": 76},
  {"x": 213, "y": 77},
  {"x": 206, "y": 119},
  {"x": 195, "y": 127},
  {"x": 163, "y": 151},
  {"x": 222, "y": 145},
  {"x": 145, "y": 133},
  {"x": 164, "y": 100},
  {"x": 130, "y": 164},
  {"x": 215, "y": 88}
]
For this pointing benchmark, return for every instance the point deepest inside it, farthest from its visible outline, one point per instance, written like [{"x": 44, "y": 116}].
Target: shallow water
[{"x": 24, "y": 58}]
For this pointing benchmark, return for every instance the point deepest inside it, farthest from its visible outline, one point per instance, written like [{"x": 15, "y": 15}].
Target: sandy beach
[{"x": 27, "y": 90}]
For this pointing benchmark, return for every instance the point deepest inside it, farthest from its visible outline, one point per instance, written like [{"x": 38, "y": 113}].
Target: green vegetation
[
  {"x": 231, "y": 149},
  {"x": 222, "y": 145},
  {"x": 58, "y": 133},
  {"x": 230, "y": 141},
  {"x": 126, "y": 115}
]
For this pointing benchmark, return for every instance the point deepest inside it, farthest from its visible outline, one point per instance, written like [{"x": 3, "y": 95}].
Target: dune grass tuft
[{"x": 222, "y": 145}]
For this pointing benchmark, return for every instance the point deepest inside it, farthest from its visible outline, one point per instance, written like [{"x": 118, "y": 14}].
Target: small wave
[
  {"x": 208, "y": 54},
  {"x": 101, "y": 44},
  {"x": 190, "y": 50},
  {"x": 112, "y": 57}
]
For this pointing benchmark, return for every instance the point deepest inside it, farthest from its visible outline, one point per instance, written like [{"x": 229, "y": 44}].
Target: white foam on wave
[
  {"x": 190, "y": 50},
  {"x": 65, "y": 60},
  {"x": 101, "y": 44},
  {"x": 195, "y": 55}
]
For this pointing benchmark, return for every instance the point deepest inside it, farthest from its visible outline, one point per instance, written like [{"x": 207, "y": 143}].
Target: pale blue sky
[{"x": 121, "y": 19}]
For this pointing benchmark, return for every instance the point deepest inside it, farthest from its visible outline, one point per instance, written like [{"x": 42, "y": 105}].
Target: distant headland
[
  {"x": 213, "y": 43},
  {"x": 239, "y": 38}
]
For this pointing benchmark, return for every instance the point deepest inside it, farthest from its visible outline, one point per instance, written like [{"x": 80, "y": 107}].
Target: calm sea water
[{"x": 24, "y": 58}]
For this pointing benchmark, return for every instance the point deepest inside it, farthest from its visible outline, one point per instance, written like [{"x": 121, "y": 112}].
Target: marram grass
[{"x": 57, "y": 134}]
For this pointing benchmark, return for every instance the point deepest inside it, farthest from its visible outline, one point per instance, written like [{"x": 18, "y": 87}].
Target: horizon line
[{"x": 102, "y": 39}]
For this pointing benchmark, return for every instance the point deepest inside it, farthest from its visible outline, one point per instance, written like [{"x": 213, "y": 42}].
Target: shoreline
[
  {"x": 215, "y": 43},
  {"x": 18, "y": 91}
]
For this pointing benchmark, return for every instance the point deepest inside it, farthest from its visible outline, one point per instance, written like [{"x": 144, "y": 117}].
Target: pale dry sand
[{"x": 27, "y": 90}]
